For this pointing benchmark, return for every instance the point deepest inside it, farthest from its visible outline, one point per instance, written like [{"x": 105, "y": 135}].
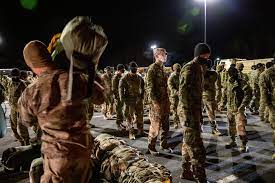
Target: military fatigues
[
  {"x": 156, "y": 84},
  {"x": 238, "y": 96},
  {"x": 173, "y": 85},
  {"x": 267, "y": 94},
  {"x": 14, "y": 89},
  {"x": 118, "y": 102},
  {"x": 224, "y": 78},
  {"x": 212, "y": 87},
  {"x": 66, "y": 140},
  {"x": 131, "y": 92},
  {"x": 255, "y": 102},
  {"x": 108, "y": 106},
  {"x": 190, "y": 113},
  {"x": 263, "y": 109}
]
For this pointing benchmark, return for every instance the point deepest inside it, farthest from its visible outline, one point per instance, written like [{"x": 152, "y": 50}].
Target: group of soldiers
[
  {"x": 186, "y": 93},
  {"x": 57, "y": 101}
]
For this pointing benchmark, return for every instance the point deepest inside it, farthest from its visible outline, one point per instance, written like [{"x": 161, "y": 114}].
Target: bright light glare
[
  {"x": 205, "y": 0},
  {"x": 153, "y": 46}
]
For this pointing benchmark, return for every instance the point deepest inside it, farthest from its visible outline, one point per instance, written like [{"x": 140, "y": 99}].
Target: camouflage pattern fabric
[
  {"x": 255, "y": 102},
  {"x": 263, "y": 109},
  {"x": 131, "y": 92},
  {"x": 36, "y": 170},
  {"x": 14, "y": 89},
  {"x": 173, "y": 85},
  {"x": 238, "y": 96},
  {"x": 156, "y": 85},
  {"x": 67, "y": 143},
  {"x": 118, "y": 102},
  {"x": 267, "y": 94},
  {"x": 107, "y": 109},
  {"x": 190, "y": 113}
]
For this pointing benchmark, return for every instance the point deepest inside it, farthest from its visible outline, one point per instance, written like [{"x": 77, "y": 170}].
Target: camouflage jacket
[
  {"x": 13, "y": 89},
  {"x": 131, "y": 88},
  {"x": 156, "y": 83},
  {"x": 115, "y": 83},
  {"x": 107, "y": 80},
  {"x": 64, "y": 123},
  {"x": 173, "y": 84},
  {"x": 267, "y": 83},
  {"x": 237, "y": 95},
  {"x": 212, "y": 86},
  {"x": 190, "y": 94},
  {"x": 224, "y": 78},
  {"x": 255, "y": 81},
  {"x": 244, "y": 76}
]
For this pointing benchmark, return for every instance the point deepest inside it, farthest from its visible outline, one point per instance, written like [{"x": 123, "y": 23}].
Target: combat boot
[
  {"x": 152, "y": 150},
  {"x": 215, "y": 130},
  {"x": 199, "y": 174},
  {"x": 231, "y": 144},
  {"x": 273, "y": 156},
  {"x": 132, "y": 134},
  {"x": 243, "y": 148},
  {"x": 186, "y": 172}
]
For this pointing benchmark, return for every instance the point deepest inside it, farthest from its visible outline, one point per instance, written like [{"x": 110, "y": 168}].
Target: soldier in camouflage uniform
[
  {"x": 267, "y": 84},
  {"x": 238, "y": 96},
  {"x": 173, "y": 85},
  {"x": 255, "y": 102},
  {"x": 263, "y": 109},
  {"x": 14, "y": 87},
  {"x": 118, "y": 102},
  {"x": 108, "y": 106},
  {"x": 190, "y": 113},
  {"x": 242, "y": 75},
  {"x": 219, "y": 70},
  {"x": 156, "y": 84},
  {"x": 131, "y": 93},
  {"x": 61, "y": 108},
  {"x": 212, "y": 86}
]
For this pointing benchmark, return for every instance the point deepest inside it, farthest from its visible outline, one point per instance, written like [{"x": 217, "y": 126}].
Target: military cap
[
  {"x": 176, "y": 66},
  {"x": 201, "y": 48}
]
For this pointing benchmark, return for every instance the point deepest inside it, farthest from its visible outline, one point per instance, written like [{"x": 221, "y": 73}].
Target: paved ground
[{"x": 222, "y": 165}]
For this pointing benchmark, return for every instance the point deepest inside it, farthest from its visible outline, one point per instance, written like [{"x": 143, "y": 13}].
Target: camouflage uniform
[
  {"x": 212, "y": 83},
  {"x": 255, "y": 102},
  {"x": 219, "y": 91},
  {"x": 118, "y": 102},
  {"x": 238, "y": 95},
  {"x": 108, "y": 106},
  {"x": 131, "y": 93},
  {"x": 173, "y": 85},
  {"x": 156, "y": 85},
  {"x": 267, "y": 94},
  {"x": 14, "y": 89},
  {"x": 66, "y": 140},
  {"x": 190, "y": 113},
  {"x": 224, "y": 78},
  {"x": 263, "y": 109}
]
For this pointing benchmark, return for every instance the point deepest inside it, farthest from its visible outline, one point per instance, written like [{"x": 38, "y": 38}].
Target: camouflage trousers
[
  {"x": 272, "y": 122},
  {"x": 133, "y": 113},
  {"x": 193, "y": 153},
  {"x": 119, "y": 114},
  {"x": 60, "y": 170},
  {"x": 20, "y": 132},
  {"x": 107, "y": 108},
  {"x": 174, "y": 102},
  {"x": 237, "y": 122},
  {"x": 159, "y": 118},
  {"x": 263, "y": 111},
  {"x": 211, "y": 107},
  {"x": 255, "y": 102}
]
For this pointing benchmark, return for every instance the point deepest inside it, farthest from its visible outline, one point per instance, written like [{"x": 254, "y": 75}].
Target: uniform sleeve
[
  {"x": 28, "y": 118},
  {"x": 115, "y": 83},
  {"x": 121, "y": 88},
  {"x": 171, "y": 85},
  {"x": 224, "y": 97},
  {"x": 265, "y": 90},
  {"x": 5, "y": 81},
  {"x": 247, "y": 97},
  {"x": 150, "y": 83},
  {"x": 218, "y": 86},
  {"x": 186, "y": 85}
]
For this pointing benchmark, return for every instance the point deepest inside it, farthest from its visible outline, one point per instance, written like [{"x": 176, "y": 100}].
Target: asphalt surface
[{"x": 222, "y": 165}]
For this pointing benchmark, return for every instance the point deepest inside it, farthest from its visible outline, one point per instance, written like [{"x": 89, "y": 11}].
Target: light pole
[{"x": 205, "y": 25}]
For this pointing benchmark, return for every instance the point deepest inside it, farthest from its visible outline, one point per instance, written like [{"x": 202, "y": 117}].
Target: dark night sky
[{"x": 236, "y": 28}]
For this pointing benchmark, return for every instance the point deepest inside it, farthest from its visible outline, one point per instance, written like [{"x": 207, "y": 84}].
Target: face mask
[
  {"x": 133, "y": 70},
  {"x": 178, "y": 70},
  {"x": 202, "y": 61}
]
